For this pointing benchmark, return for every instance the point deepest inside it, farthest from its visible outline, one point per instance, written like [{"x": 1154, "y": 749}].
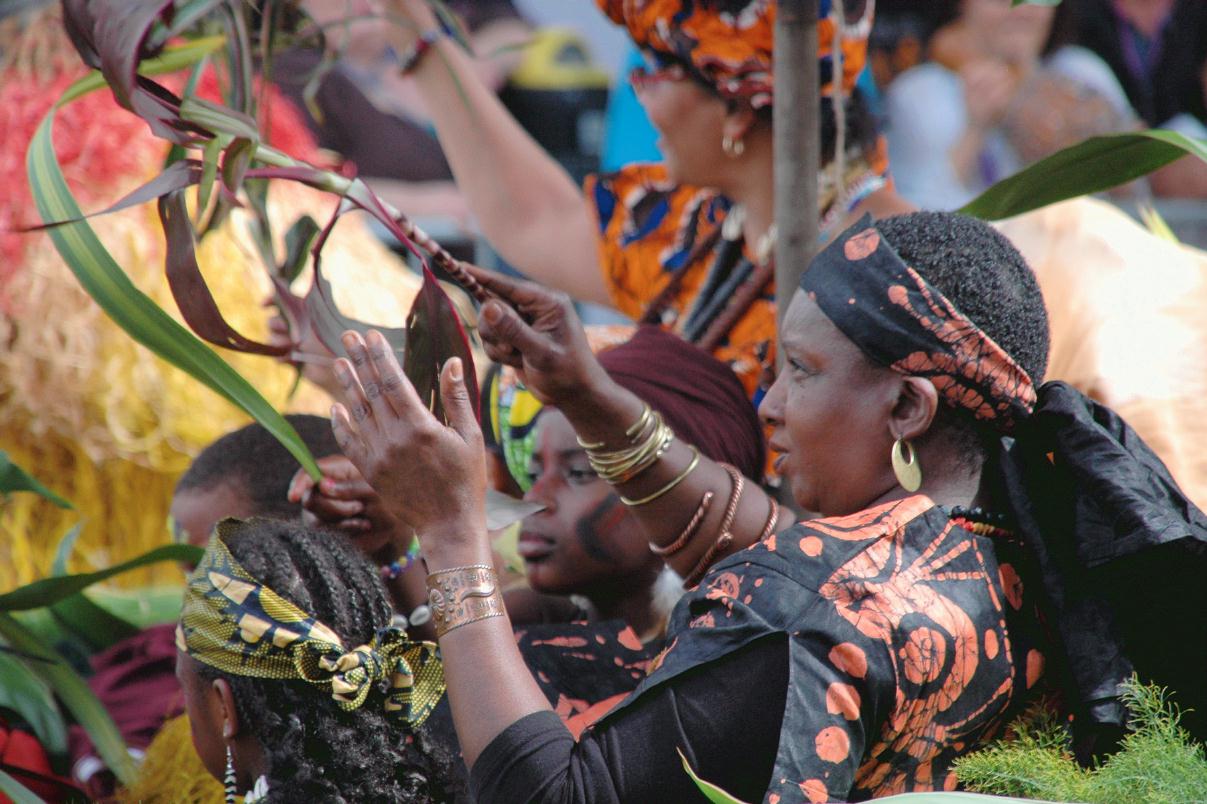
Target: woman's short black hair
[
  {"x": 984, "y": 276},
  {"x": 316, "y": 751},
  {"x": 252, "y": 461}
]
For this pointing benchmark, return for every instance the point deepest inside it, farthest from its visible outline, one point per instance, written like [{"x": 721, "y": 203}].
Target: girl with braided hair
[{"x": 295, "y": 686}]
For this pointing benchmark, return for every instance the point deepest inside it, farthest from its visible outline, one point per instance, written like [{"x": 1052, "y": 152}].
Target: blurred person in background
[
  {"x": 1003, "y": 88},
  {"x": 686, "y": 244},
  {"x": 1158, "y": 51}
]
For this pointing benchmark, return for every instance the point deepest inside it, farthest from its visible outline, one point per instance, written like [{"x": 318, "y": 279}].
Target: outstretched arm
[
  {"x": 527, "y": 205},
  {"x": 536, "y": 331}
]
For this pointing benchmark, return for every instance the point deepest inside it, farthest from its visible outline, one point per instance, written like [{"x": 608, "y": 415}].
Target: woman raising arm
[{"x": 845, "y": 657}]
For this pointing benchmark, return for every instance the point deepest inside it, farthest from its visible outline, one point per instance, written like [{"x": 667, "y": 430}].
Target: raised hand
[
  {"x": 430, "y": 476},
  {"x": 537, "y": 331},
  {"x": 343, "y": 500}
]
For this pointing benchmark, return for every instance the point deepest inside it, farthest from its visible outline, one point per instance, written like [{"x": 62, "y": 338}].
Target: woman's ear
[
  {"x": 915, "y": 408},
  {"x": 221, "y": 689},
  {"x": 738, "y": 123}
]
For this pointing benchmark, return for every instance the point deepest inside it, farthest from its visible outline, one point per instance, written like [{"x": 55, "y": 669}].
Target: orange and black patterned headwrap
[
  {"x": 902, "y": 321},
  {"x": 728, "y": 43}
]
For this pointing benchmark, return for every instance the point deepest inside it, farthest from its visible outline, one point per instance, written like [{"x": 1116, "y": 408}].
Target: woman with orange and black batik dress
[
  {"x": 685, "y": 244},
  {"x": 837, "y": 659}
]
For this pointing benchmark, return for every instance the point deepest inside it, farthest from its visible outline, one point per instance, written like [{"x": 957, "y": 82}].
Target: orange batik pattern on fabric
[
  {"x": 910, "y": 643},
  {"x": 901, "y": 321}
]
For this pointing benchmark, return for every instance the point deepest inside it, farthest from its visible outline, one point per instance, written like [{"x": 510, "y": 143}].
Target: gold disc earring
[{"x": 908, "y": 472}]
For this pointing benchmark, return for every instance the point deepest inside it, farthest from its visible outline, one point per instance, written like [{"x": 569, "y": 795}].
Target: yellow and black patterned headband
[{"x": 235, "y": 624}]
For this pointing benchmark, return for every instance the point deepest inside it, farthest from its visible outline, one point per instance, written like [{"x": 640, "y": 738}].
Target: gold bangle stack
[
  {"x": 649, "y": 438},
  {"x": 649, "y": 498},
  {"x": 463, "y": 595}
]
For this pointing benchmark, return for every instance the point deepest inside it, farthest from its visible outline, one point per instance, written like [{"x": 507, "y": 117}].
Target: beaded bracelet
[{"x": 422, "y": 45}]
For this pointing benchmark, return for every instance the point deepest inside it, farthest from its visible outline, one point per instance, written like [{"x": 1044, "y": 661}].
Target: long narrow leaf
[
  {"x": 76, "y": 696},
  {"x": 84, "y": 619},
  {"x": 63, "y": 552},
  {"x": 48, "y": 591},
  {"x": 177, "y": 176},
  {"x": 189, "y": 287},
  {"x": 131, "y": 309},
  {"x": 1097, "y": 164},
  {"x": 19, "y": 793},
  {"x": 23, "y": 691},
  {"x": 435, "y": 334},
  {"x": 14, "y": 478}
]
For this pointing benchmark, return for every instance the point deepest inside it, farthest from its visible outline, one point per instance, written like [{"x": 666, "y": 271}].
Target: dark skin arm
[
  {"x": 537, "y": 331},
  {"x": 434, "y": 479}
]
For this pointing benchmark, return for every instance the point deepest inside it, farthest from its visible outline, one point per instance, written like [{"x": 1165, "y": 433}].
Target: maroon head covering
[{"x": 699, "y": 396}]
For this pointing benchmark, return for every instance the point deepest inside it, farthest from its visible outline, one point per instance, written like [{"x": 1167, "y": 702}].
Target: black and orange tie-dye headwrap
[
  {"x": 234, "y": 623},
  {"x": 728, "y": 43},
  {"x": 902, "y": 321}
]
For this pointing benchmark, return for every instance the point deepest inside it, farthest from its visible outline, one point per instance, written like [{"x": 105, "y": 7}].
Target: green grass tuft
[{"x": 1158, "y": 762}]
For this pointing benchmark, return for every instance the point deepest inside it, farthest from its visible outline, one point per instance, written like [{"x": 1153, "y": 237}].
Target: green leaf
[
  {"x": 143, "y": 607},
  {"x": 14, "y": 478},
  {"x": 23, "y": 691},
  {"x": 48, "y": 591},
  {"x": 103, "y": 279},
  {"x": 298, "y": 241},
  {"x": 19, "y": 793},
  {"x": 84, "y": 619},
  {"x": 711, "y": 792},
  {"x": 63, "y": 552},
  {"x": 1097, "y": 164},
  {"x": 76, "y": 696}
]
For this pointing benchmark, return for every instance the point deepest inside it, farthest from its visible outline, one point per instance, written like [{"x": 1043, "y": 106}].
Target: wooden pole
[{"x": 797, "y": 143}]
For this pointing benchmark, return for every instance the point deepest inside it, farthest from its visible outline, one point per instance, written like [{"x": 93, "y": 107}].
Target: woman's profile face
[
  {"x": 203, "y": 706},
  {"x": 585, "y": 537},
  {"x": 690, "y": 121},
  {"x": 829, "y": 409}
]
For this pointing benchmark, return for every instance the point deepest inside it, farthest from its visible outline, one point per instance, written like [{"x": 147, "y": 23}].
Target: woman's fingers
[
  {"x": 501, "y": 325},
  {"x": 328, "y": 509},
  {"x": 517, "y": 291},
  {"x": 357, "y": 406},
  {"x": 457, "y": 406},
  {"x": 346, "y": 434},
  {"x": 301, "y": 483},
  {"x": 396, "y": 389},
  {"x": 367, "y": 376}
]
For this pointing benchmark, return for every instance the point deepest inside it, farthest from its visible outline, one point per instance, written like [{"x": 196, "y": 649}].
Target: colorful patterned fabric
[
  {"x": 728, "y": 45},
  {"x": 233, "y": 623},
  {"x": 908, "y": 646},
  {"x": 651, "y": 229},
  {"x": 901, "y": 321}
]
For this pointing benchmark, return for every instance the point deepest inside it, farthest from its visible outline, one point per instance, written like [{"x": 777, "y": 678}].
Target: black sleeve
[{"x": 724, "y": 716}]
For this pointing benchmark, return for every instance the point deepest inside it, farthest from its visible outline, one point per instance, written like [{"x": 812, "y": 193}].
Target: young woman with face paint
[{"x": 585, "y": 541}]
